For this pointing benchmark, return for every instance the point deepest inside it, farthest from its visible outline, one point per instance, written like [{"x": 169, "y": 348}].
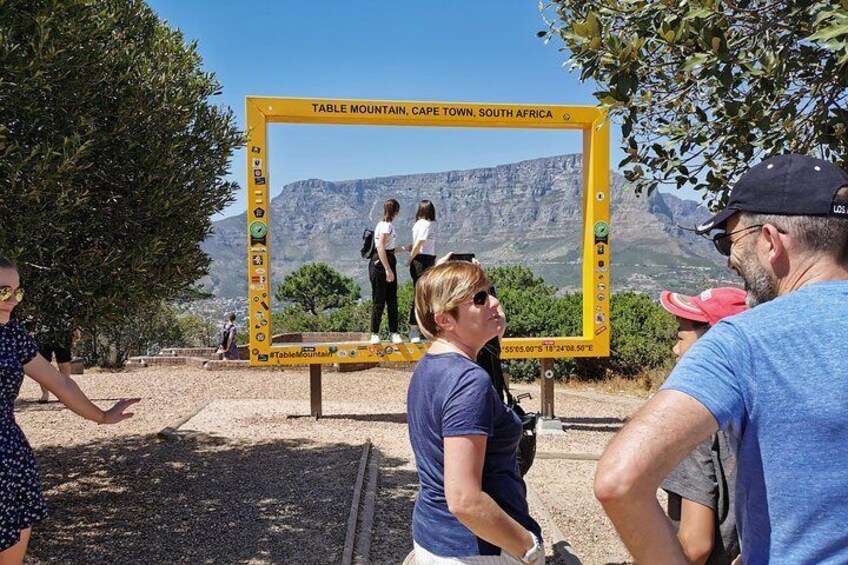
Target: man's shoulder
[{"x": 802, "y": 306}]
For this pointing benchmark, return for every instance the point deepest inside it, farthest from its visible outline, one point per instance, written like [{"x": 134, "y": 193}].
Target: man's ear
[
  {"x": 445, "y": 321},
  {"x": 775, "y": 245}
]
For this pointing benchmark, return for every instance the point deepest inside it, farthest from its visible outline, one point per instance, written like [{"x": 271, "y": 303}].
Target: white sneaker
[
  {"x": 414, "y": 335},
  {"x": 396, "y": 338},
  {"x": 375, "y": 338}
]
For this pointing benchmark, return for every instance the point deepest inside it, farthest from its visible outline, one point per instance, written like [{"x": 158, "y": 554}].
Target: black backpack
[
  {"x": 225, "y": 335},
  {"x": 368, "y": 247}
]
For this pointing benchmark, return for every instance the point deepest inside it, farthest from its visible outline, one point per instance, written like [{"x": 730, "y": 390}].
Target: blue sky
[{"x": 440, "y": 50}]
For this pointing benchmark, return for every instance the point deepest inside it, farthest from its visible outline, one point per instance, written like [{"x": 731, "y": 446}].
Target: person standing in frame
[
  {"x": 422, "y": 254},
  {"x": 22, "y": 503},
  {"x": 382, "y": 272}
]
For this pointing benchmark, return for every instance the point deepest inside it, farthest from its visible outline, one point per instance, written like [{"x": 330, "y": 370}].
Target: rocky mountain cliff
[{"x": 526, "y": 213}]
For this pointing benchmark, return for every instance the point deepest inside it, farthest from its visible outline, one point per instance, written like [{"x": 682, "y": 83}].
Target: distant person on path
[
  {"x": 382, "y": 272},
  {"x": 422, "y": 254},
  {"x": 773, "y": 378},
  {"x": 471, "y": 505},
  {"x": 701, "y": 490},
  {"x": 21, "y": 501},
  {"x": 58, "y": 344},
  {"x": 229, "y": 343}
]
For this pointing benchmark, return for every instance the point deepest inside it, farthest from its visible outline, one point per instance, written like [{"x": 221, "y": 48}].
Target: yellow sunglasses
[{"x": 6, "y": 293}]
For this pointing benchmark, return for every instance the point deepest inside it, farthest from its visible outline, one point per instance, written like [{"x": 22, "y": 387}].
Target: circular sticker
[
  {"x": 333, "y": 349},
  {"x": 599, "y": 196},
  {"x": 259, "y": 229},
  {"x": 260, "y": 336},
  {"x": 549, "y": 374},
  {"x": 353, "y": 353},
  {"x": 601, "y": 229},
  {"x": 255, "y": 351}
]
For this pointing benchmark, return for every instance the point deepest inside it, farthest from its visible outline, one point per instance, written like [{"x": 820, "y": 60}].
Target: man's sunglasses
[
  {"x": 480, "y": 298},
  {"x": 6, "y": 293},
  {"x": 723, "y": 243}
]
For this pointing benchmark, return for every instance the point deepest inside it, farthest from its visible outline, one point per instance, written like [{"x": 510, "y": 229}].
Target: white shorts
[{"x": 424, "y": 557}]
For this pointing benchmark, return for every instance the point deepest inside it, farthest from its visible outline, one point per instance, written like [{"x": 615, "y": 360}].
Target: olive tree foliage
[
  {"x": 112, "y": 159},
  {"x": 705, "y": 88}
]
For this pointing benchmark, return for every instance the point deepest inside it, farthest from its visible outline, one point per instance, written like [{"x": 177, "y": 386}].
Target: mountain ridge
[{"x": 528, "y": 212}]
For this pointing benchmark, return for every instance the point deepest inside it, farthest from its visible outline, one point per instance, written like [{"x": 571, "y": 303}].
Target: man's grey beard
[{"x": 760, "y": 286}]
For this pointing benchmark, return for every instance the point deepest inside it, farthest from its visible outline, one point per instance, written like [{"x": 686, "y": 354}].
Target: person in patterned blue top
[{"x": 21, "y": 501}]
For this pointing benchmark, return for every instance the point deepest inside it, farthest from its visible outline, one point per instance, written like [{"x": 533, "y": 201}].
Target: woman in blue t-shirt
[{"x": 472, "y": 500}]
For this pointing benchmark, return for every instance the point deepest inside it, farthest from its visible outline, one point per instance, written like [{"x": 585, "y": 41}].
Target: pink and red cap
[{"x": 708, "y": 307}]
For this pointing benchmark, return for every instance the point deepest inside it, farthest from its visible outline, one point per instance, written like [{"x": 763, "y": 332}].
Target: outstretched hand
[{"x": 116, "y": 413}]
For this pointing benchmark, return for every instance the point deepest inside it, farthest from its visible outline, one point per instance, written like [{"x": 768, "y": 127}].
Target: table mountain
[{"x": 526, "y": 213}]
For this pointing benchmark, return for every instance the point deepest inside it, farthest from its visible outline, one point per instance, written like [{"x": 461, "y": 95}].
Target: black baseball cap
[{"x": 792, "y": 185}]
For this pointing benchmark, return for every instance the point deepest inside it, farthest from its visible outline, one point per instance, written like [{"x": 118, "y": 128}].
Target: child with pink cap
[{"x": 702, "y": 488}]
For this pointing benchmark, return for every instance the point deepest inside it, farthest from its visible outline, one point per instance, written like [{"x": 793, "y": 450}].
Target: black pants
[
  {"x": 383, "y": 293},
  {"x": 417, "y": 268}
]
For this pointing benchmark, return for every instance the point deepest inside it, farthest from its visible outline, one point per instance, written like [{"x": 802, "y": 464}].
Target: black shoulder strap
[{"x": 490, "y": 359}]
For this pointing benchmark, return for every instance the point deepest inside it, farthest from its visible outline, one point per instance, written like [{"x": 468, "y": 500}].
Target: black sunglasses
[
  {"x": 723, "y": 243},
  {"x": 480, "y": 298}
]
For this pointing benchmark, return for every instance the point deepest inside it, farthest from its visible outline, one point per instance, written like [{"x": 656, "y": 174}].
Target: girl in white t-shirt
[
  {"x": 382, "y": 271},
  {"x": 422, "y": 254}
]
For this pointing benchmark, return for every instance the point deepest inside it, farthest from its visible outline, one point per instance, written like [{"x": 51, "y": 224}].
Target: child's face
[
  {"x": 8, "y": 277},
  {"x": 688, "y": 333}
]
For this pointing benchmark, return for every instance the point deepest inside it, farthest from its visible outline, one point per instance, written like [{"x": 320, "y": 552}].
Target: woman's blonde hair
[{"x": 443, "y": 288}]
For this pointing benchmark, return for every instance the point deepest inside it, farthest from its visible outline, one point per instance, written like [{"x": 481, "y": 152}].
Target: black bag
[
  {"x": 490, "y": 359},
  {"x": 368, "y": 246},
  {"x": 527, "y": 445},
  {"x": 225, "y": 335}
]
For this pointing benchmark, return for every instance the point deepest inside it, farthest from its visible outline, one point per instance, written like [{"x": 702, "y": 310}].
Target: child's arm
[
  {"x": 697, "y": 531},
  {"x": 67, "y": 391}
]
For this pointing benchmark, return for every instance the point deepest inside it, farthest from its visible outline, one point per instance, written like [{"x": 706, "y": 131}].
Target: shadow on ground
[
  {"x": 140, "y": 500},
  {"x": 611, "y": 425},
  {"x": 396, "y": 418}
]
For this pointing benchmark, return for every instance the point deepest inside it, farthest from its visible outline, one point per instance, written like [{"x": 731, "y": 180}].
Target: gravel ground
[{"x": 268, "y": 484}]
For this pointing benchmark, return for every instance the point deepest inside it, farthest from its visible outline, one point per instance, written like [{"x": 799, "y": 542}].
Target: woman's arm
[
  {"x": 697, "y": 531},
  {"x": 464, "y": 457},
  {"x": 67, "y": 391},
  {"x": 384, "y": 258},
  {"x": 415, "y": 249}
]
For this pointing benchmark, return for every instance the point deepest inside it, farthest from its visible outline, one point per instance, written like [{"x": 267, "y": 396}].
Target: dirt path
[{"x": 268, "y": 484}]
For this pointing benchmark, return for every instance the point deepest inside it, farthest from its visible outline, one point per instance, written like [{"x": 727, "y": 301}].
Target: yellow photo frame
[{"x": 592, "y": 121}]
